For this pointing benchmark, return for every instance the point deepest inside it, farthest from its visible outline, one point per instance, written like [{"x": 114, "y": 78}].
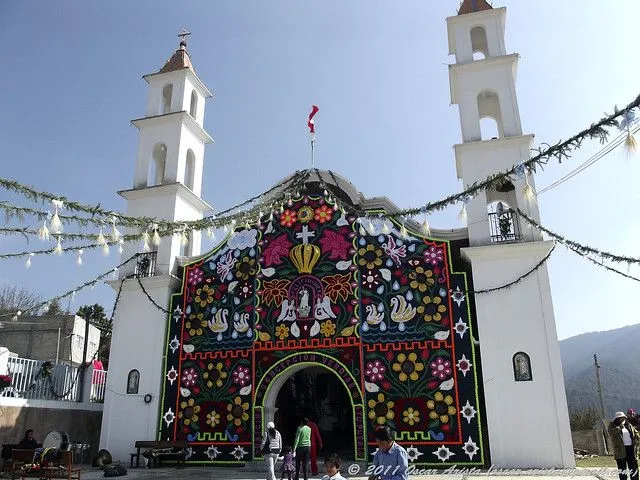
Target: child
[
  {"x": 287, "y": 464},
  {"x": 332, "y": 466}
]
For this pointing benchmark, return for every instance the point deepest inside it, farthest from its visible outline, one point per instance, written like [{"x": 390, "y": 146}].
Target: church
[{"x": 326, "y": 305}]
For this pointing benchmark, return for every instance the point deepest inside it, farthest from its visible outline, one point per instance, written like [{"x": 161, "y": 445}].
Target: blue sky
[{"x": 71, "y": 79}]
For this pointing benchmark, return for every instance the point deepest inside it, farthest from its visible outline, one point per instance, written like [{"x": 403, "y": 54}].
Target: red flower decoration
[
  {"x": 275, "y": 291},
  {"x": 323, "y": 214},
  {"x": 337, "y": 286},
  {"x": 241, "y": 376},
  {"x": 336, "y": 245},
  {"x": 288, "y": 218},
  {"x": 277, "y": 249}
]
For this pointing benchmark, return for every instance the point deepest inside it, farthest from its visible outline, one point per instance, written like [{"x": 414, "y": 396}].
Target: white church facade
[{"x": 325, "y": 307}]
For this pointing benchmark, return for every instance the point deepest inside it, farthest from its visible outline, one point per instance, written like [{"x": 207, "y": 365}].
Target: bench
[
  {"x": 63, "y": 468},
  {"x": 19, "y": 458},
  {"x": 157, "y": 451}
]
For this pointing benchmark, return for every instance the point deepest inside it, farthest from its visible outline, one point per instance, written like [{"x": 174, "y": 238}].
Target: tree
[
  {"x": 14, "y": 298},
  {"x": 585, "y": 419},
  {"x": 54, "y": 308},
  {"x": 95, "y": 315}
]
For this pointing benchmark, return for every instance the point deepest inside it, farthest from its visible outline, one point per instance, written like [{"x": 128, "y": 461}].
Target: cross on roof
[
  {"x": 183, "y": 36},
  {"x": 305, "y": 234}
]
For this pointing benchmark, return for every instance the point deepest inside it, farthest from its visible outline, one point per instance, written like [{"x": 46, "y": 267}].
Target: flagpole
[
  {"x": 312, "y": 132},
  {"x": 313, "y": 144}
]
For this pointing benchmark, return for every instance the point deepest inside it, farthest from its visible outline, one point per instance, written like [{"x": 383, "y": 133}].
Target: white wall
[
  {"x": 528, "y": 422},
  {"x": 138, "y": 343}
]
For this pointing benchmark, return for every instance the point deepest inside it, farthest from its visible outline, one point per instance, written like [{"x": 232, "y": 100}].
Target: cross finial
[{"x": 183, "y": 37}]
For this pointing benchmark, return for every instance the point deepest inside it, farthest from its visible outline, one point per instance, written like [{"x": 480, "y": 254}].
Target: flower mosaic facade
[{"x": 388, "y": 315}]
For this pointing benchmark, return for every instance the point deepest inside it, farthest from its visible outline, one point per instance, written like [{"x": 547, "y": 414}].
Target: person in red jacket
[{"x": 316, "y": 445}]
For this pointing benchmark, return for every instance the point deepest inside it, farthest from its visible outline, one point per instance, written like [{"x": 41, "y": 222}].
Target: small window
[
  {"x": 133, "y": 381},
  {"x": 522, "y": 367},
  {"x": 479, "y": 43},
  {"x": 193, "y": 110},
  {"x": 190, "y": 170}
]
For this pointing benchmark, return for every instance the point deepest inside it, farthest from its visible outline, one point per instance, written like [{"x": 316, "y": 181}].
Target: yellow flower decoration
[
  {"x": 246, "y": 268},
  {"x": 380, "y": 409},
  {"x": 328, "y": 328},
  {"x": 432, "y": 309},
  {"x": 189, "y": 411},
  {"x": 370, "y": 256},
  {"x": 238, "y": 411},
  {"x": 214, "y": 375},
  {"x": 282, "y": 332},
  {"x": 411, "y": 416},
  {"x": 441, "y": 407},
  {"x": 213, "y": 418},
  {"x": 204, "y": 296},
  {"x": 305, "y": 214},
  {"x": 421, "y": 279},
  {"x": 195, "y": 324},
  {"x": 408, "y": 367}
]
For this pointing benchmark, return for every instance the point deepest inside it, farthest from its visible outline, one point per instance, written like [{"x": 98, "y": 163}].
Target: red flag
[{"x": 314, "y": 110}]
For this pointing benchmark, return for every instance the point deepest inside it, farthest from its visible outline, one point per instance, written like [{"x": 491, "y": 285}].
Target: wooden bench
[
  {"x": 19, "y": 458},
  {"x": 156, "y": 451},
  {"x": 63, "y": 468}
]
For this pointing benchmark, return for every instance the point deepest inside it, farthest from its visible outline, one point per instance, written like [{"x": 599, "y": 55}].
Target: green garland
[{"x": 578, "y": 247}]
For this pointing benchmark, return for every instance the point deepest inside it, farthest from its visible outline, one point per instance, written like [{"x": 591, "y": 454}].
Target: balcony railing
[
  {"x": 504, "y": 227},
  {"x": 146, "y": 264}
]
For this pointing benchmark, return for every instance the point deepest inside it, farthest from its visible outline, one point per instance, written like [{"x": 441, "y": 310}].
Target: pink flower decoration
[
  {"x": 276, "y": 249},
  {"x": 434, "y": 256},
  {"x": 189, "y": 377},
  {"x": 441, "y": 368},
  {"x": 241, "y": 376},
  {"x": 195, "y": 276},
  {"x": 375, "y": 370},
  {"x": 336, "y": 245}
]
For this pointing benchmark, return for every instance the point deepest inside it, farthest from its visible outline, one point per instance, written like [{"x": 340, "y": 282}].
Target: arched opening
[
  {"x": 193, "y": 109},
  {"x": 186, "y": 244},
  {"x": 479, "y": 42},
  {"x": 522, "y": 367},
  {"x": 167, "y": 94},
  {"x": 317, "y": 394},
  {"x": 157, "y": 165},
  {"x": 503, "y": 222},
  {"x": 190, "y": 169},
  {"x": 133, "y": 382},
  {"x": 490, "y": 115}
]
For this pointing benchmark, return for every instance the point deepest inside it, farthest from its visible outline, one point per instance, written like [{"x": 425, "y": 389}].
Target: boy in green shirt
[{"x": 302, "y": 447}]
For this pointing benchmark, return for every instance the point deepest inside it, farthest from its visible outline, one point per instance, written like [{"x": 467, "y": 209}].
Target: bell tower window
[
  {"x": 157, "y": 165},
  {"x": 479, "y": 44},
  {"x": 190, "y": 169},
  {"x": 193, "y": 109},
  {"x": 167, "y": 94},
  {"x": 489, "y": 109}
]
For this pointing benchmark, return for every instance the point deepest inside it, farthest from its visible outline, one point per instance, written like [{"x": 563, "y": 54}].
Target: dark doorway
[{"x": 319, "y": 394}]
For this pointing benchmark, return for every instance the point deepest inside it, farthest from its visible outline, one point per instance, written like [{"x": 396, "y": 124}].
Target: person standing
[
  {"x": 626, "y": 441},
  {"x": 316, "y": 445},
  {"x": 271, "y": 446},
  {"x": 302, "y": 447},
  {"x": 391, "y": 460}
]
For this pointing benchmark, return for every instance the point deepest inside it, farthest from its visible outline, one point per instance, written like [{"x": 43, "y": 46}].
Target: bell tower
[
  {"x": 518, "y": 347},
  {"x": 167, "y": 185}
]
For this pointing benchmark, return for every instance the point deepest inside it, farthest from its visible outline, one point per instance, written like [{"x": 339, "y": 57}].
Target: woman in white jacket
[{"x": 271, "y": 446}]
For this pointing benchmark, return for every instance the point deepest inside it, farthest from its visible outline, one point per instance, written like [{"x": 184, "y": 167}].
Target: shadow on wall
[{"x": 81, "y": 426}]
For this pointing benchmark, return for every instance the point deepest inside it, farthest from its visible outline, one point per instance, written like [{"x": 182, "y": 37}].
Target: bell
[{"x": 505, "y": 186}]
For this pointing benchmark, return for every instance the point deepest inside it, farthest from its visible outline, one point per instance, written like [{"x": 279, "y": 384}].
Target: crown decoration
[{"x": 305, "y": 257}]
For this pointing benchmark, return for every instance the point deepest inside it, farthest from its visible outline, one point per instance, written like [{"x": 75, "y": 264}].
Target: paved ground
[{"x": 206, "y": 473}]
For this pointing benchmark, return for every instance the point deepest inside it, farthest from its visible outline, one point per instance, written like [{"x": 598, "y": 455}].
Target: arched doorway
[
  {"x": 318, "y": 394},
  {"x": 341, "y": 399}
]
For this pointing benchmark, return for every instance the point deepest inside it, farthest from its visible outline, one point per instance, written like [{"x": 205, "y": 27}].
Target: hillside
[{"x": 619, "y": 358}]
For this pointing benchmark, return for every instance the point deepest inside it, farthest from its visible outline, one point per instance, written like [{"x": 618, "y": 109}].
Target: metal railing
[
  {"x": 40, "y": 380},
  {"x": 30, "y": 380},
  {"x": 98, "y": 385},
  {"x": 504, "y": 227},
  {"x": 146, "y": 264}
]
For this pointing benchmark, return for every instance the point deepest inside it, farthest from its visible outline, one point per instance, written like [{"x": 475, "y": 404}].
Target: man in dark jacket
[{"x": 28, "y": 442}]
